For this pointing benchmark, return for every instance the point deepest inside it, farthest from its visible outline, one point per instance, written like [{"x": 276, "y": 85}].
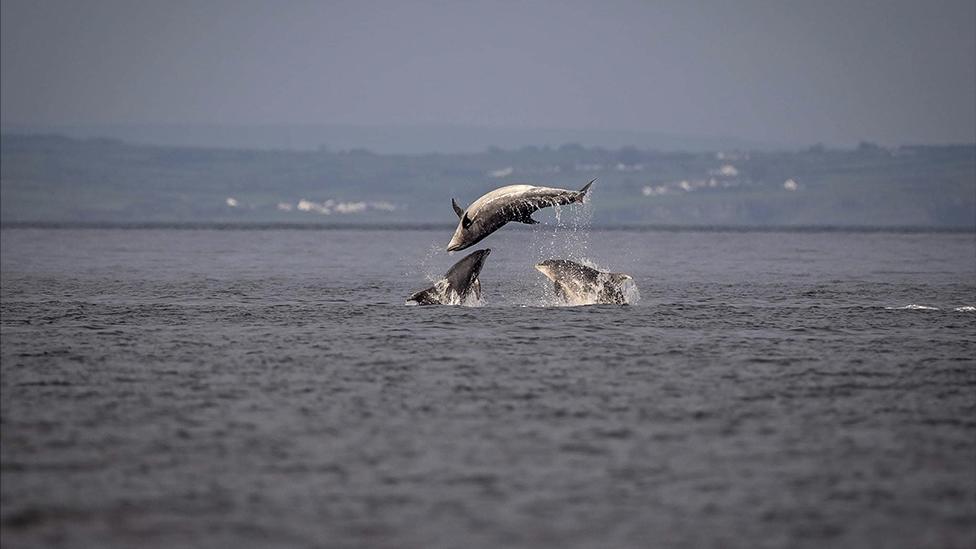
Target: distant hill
[
  {"x": 56, "y": 179},
  {"x": 388, "y": 139}
]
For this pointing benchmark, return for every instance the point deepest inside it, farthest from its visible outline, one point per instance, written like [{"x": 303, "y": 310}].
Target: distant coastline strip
[{"x": 260, "y": 226}]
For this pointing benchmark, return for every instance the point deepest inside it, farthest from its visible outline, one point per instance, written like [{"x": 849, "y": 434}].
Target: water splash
[
  {"x": 913, "y": 307},
  {"x": 606, "y": 289},
  {"x": 566, "y": 238},
  {"x": 445, "y": 295},
  {"x": 428, "y": 265},
  {"x": 569, "y": 238}
]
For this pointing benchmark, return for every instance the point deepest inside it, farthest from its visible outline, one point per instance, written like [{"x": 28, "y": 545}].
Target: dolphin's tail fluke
[{"x": 582, "y": 192}]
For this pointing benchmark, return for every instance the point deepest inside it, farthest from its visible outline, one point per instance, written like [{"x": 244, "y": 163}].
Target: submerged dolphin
[
  {"x": 460, "y": 281},
  {"x": 581, "y": 285},
  {"x": 512, "y": 203}
]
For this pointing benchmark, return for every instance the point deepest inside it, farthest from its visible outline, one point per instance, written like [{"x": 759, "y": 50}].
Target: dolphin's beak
[
  {"x": 457, "y": 243},
  {"x": 482, "y": 257},
  {"x": 544, "y": 269}
]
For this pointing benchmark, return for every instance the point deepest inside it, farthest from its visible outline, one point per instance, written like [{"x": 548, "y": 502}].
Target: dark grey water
[{"x": 220, "y": 388}]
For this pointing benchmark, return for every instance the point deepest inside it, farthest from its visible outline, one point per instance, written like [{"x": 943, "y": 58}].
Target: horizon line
[
  {"x": 419, "y": 226},
  {"x": 21, "y": 132}
]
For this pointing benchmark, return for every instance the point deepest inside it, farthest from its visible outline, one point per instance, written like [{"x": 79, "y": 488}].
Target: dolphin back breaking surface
[
  {"x": 511, "y": 203},
  {"x": 577, "y": 284}
]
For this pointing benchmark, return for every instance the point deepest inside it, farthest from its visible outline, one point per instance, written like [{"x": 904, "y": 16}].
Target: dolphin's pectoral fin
[
  {"x": 457, "y": 209},
  {"x": 560, "y": 293},
  {"x": 522, "y": 211}
]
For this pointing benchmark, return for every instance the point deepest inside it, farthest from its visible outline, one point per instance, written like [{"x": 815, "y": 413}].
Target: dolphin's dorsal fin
[{"x": 457, "y": 209}]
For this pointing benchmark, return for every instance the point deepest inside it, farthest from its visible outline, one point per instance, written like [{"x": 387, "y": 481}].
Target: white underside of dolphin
[{"x": 517, "y": 203}]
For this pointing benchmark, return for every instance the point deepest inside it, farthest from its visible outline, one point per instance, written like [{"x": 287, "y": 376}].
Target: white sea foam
[
  {"x": 965, "y": 309},
  {"x": 449, "y": 296},
  {"x": 582, "y": 293},
  {"x": 913, "y": 307}
]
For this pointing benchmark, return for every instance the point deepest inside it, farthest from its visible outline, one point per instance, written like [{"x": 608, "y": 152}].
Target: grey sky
[{"x": 790, "y": 72}]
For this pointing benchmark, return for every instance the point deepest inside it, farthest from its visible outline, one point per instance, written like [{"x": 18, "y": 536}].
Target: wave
[{"x": 917, "y": 307}]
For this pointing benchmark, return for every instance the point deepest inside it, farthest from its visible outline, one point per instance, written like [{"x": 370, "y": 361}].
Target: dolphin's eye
[{"x": 466, "y": 221}]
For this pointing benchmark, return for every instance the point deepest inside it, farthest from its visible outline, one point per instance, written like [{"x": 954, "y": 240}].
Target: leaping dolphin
[
  {"x": 460, "y": 281},
  {"x": 577, "y": 284},
  {"x": 512, "y": 203}
]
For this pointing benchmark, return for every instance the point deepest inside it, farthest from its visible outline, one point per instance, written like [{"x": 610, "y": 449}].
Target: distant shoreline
[
  {"x": 58, "y": 180},
  {"x": 259, "y": 226}
]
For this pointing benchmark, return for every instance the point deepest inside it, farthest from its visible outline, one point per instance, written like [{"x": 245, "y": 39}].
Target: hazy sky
[{"x": 775, "y": 71}]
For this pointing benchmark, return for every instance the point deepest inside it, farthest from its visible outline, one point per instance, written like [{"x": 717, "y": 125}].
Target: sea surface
[{"x": 217, "y": 387}]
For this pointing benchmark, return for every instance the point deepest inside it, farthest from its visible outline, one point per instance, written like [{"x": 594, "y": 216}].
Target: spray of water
[
  {"x": 445, "y": 295},
  {"x": 569, "y": 238}
]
